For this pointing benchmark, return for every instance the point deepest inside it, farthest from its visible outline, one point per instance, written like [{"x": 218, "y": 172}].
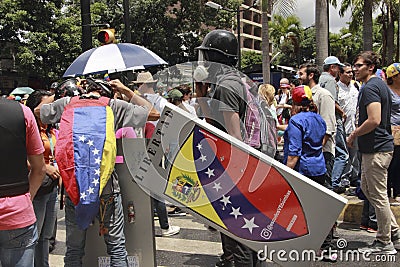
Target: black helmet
[
  {"x": 219, "y": 42},
  {"x": 69, "y": 87},
  {"x": 102, "y": 86},
  {"x": 54, "y": 85}
]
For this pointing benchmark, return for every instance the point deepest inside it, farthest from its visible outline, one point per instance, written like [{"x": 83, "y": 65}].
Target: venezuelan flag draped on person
[{"x": 86, "y": 153}]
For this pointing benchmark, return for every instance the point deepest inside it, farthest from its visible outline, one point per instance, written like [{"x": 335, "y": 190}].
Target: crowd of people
[
  {"x": 339, "y": 127},
  {"x": 356, "y": 106}
]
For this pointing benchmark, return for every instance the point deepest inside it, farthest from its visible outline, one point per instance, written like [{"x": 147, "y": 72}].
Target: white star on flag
[
  {"x": 83, "y": 195},
  {"x": 225, "y": 200},
  {"x": 97, "y": 172},
  {"x": 95, "y": 182},
  {"x": 236, "y": 212},
  {"x": 76, "y": 92},
  {"x": 199, "y": 146},
  {"x": 95, "y": 151},
  {"x": 82, "y": 138},
  {"x": 90, "y": 190},
  {"x": 90, "y": 143},
  {"x": 97, "y": 160},
  {"x": 249, "y": 224},
  {"x": 217, "y": 186},
  {"x": 203, "y": 158},
  {"x": 210, "y": 172}
]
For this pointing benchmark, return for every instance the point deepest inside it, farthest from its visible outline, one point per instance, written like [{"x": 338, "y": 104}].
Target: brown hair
[
  {"x": 370, "y": 58},
  {"x": 297, "y": 108}
]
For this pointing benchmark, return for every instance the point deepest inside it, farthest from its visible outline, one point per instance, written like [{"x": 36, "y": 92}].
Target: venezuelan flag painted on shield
[
  {"x": 235, "y": 190},
  {"x": 88, "y": 159}
]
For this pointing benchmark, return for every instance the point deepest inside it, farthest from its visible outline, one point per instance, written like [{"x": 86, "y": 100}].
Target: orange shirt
[{"x": 49, "y": 152}]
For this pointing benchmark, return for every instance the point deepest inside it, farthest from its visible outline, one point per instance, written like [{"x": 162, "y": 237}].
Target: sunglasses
[{"x": 359, "y": 65}]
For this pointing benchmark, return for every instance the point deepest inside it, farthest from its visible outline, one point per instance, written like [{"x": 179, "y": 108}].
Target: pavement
[
  {"x": 353, "y": 210},
  {"x": 197, "y": 245}
]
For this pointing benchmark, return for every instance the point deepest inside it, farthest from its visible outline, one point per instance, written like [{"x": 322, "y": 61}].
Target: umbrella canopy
[
  {"x": 22, "y": 91},
  {"x": 113, "y": 58}
]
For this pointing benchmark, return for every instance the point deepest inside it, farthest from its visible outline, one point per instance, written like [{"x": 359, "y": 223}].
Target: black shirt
[{"x": 380, "y": 139}]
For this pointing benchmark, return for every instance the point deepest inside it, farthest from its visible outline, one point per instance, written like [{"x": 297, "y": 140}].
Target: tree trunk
[
  {"x": 384, "y": 23},
  {"x": 398, "y": 37},
  {"x": 367, "y": 26},
  {"x": 321, "y": 30},
  {"x": 390, "y": 35},
  {"x": 127, "y": 23},
  {"x": 266, "y": 66}
]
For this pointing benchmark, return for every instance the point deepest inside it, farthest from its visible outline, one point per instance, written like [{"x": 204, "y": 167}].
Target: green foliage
[
  {"x": 44, "y": 36},
  {"x": 250, "y": 58},
  {"x": 285, "y": 34},
  {"x": 173, "y": 30},
  {"x": 307, "y": 45}
]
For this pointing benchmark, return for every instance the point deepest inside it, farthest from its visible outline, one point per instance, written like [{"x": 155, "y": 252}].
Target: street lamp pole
[{"x": 239, "y": 40}]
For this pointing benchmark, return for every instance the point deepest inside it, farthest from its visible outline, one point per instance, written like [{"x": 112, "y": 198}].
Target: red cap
[{"x": 300, "y": 93}]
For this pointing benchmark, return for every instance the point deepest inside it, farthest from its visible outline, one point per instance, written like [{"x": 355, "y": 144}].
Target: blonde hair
[{"x": 267, "y": 92}]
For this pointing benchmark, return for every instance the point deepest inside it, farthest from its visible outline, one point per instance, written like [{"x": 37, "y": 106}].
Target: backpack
[
  {"x": 259, "y": 125},
  {"x": 85, "y": 153}
]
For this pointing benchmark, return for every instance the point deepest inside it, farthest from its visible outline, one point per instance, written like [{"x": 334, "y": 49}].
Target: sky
[{"x": 306, "y": 13}]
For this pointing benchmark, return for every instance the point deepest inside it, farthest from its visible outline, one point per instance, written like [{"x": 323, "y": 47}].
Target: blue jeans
[
  {"x": 341, "y": 154},
  {"x": 17, "y": 247},
  {"x": 114, "y": 239},
  {"x": 46, "y": 215},
  {"x": 352, "y": 169}
]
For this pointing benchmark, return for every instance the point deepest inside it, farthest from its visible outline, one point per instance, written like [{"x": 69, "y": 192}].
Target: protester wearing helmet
[
  {"x": 221, "y": 96},
  {"x": 219, "y": 46},
  {"x": 70, "y": 87}
]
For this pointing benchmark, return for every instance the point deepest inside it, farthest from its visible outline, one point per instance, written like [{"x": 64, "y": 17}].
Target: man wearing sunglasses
[{"x": 375, "y": 144}]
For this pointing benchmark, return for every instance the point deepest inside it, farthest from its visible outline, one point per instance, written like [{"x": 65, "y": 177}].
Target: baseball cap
[
  {"x": 393, "y": 70},
  {"x": 332, "y": 60},
  {"x": 284, "y": 85},
  {"x": 302, "y": 95},
  {"x": 174, "y": 94}
]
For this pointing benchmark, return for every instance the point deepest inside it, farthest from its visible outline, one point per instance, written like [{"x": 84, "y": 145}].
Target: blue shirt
[
  {"x": 395, "y": 111},
  {"x": 303, "y": 138}
]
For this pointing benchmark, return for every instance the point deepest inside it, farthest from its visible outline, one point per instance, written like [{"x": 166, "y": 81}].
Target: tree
[
  {"x": 251, "y": 58},
  {"x": 172, "y": 29},
  {"x": 285, "y": 34},
  {"x": 42, "y": 35},
  {"x": 321, "y": 30},
  {"x": 363, "y": 9}
]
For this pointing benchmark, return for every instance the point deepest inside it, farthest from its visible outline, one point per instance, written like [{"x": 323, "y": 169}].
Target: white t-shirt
[
  {"x": 283, "y": 99},
  {"x": 158, "y": 102},
  {"x": 190, "y": 108},
  {"x": 347, "y": 99}
]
